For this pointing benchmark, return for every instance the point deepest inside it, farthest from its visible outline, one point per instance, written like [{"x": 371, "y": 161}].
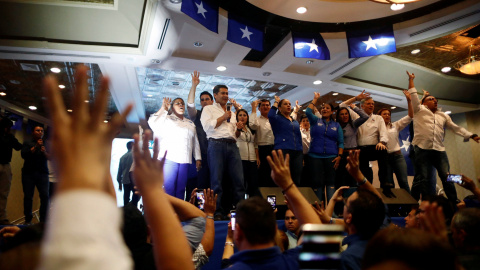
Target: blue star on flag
[
  {"x": 371, "y": 42},
  {"x": 245, "y": 33},
  {"x": 204, "y": 12},
  {"x": 310, "y": 45}
]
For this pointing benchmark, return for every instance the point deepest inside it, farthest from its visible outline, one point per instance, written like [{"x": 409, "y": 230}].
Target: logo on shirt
[
  {"x": 334, "y": 128},
  {"x": 320, "y": 124}
]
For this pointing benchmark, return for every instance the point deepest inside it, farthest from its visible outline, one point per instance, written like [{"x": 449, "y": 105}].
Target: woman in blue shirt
[
  {"x": 288, "y": 137},
  {"x": 326, "y": 148}
]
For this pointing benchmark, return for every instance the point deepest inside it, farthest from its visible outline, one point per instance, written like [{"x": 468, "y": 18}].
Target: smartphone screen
[
  {"x": 200, "y": 200},
  {"x": 272, "y": 199},
  {"x": 455, "y": 178},
  {"x": 232, "y": 219},
  {"x": 321, "y": 246}
]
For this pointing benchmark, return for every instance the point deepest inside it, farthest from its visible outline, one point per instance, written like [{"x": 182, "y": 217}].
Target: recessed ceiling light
[
  {"x": 14, "y": 82},
  {"x": 301, "y": 10},
  {"x": 55, "y": 70},
  {"x": 266, "y": 74},
  {"x": 198, "y": 44},
  {"x": 33, "y": 108},
  {"x": 309, "y": 62},
  {"x": 69, "y": 110},
  {"x": 415, "y": 51},
  {"x": 448, "y": 112},
  {"x": 446, "y": 69},
  {"x": 396, "y": 7},
  {"x": 317, "y": 82},
  {"x": 393, "y": 107},
  {"x": 3, "y": 94},
  {"x": 335, "y": 94},
  {"x": 149, "y": 95},
  {"x": 221, "y": 68},
  {"x": 61, "y": 86},
  {"x": 105, "y": 121},
  {"x": 87, "y": 101}
]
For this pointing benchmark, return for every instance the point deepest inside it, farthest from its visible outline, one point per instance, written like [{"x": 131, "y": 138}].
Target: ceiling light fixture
[
  {"x": 448, "y": 112},
  {"x": 198, "y": 44},
  {"x": 69, "y": 110},
  {"x": 301, "y": 10},
  {"x": 470, "y": 65},
  {"x": 55, "y": 70},
  {"x": 446, "y": 69},
  {"x": 309, "y": 62},
  {"x": 396, "y": 7},
  {"x": 335, "y": 94},
  {"x": 415, "y": 51},
  {"x": 86, "y": 101},
  {"x": 266, "y": 74},
  {"x": 393, "y": 107},
  {"x": 3, "y": 94},
  {"x": 33, "y": 108},
  {"x": 61, "y": 86},
  {"x": 317, "y": 82},
  {"x": 105, "y": 121},
  {"x": 221, "y": 68}
]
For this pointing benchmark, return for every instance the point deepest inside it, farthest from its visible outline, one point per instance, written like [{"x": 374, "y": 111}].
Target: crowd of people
[{"x": 86, "y": 230}]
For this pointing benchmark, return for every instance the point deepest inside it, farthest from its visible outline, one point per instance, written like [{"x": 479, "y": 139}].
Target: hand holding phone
[
  {"x": 200, "y": 200},
  {"x": 455, "y": 178},
  {"x": 272, "y": 199},
  {"x": 232, "y": 219}
]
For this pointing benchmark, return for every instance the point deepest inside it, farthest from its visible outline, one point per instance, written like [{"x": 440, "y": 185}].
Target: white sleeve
[
  {"x": 415, "y": 100},
  {"x": 402, "y": 123},
  {"x": 253, "y": 121},
  {"x": 196, "y": 153},
  {"x": 83, "y": 232},
  {"x": 457, "y": 129},
  {"x": 192, "y": 111},
  {"x": 207, "y": 122}
]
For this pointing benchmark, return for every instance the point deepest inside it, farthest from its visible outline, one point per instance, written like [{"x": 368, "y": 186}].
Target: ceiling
[{"x": 147, "y": 48}]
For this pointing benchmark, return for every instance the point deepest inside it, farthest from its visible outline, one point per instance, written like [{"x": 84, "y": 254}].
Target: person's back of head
[
  {"x": 129, "y": 145},
  {"x": 466, "y": 228},
  {"x": 408, "y": 249},
  {"x": 135, "y": 231},
  {"x": 447, "y": 206},
  {"x": 256, "y": 219},
  {"x": 368, "y": 213}
]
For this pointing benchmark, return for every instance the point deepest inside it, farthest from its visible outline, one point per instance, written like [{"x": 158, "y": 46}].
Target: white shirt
[
  {"x": 306, "y": 139},
  {"x": 372, "y": 131},
  {"x": 264, "y": 132},
  {"x": 209, "y": 118},
  {"x": 84, "y": 232},
  {"x": 176, "y": 136},
  {"x": 429, "y": 127},
  {"x": 246, "y": 144},
  {"x": 393, "y": 129}
]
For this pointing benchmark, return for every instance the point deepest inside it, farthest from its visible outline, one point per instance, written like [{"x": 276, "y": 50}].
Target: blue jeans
[
  {"x": 397, "y": 165},
  {"x": 423, "y": 184},
  {"x": 225, "y": 156},
  {"x": 29, "y": 182},
  {"x": 175, "y": 178},
  {"x": 323, "y": 175}
]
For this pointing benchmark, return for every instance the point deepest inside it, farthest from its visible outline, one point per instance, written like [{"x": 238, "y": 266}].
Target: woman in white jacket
[{"x": 178, "y": 137}]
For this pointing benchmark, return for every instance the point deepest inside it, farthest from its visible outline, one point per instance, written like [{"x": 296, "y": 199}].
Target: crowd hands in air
[{"x": 91, "y": 237}]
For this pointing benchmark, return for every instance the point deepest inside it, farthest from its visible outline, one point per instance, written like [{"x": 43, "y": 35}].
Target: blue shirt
[
  {"x": 352, "y": 257},
  {"x": 287, "y": 133},
  {"x": 268, "y": 258},
  {"x": 327, "y": 136}
]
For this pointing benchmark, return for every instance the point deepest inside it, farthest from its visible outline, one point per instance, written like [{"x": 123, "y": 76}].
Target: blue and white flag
[
  {"x": 245, "y": 33},
  {"x": 371, "y": 42},
  {"x": 405, "y": 140},
  {"x": 310, "y": 45},
  {"x": 203, "y": 11},
  {"x": 16, "y": 119}
]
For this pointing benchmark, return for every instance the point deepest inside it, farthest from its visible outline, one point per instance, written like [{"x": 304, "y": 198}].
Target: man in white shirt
[
  {"x": 265, "y": 140},
  {"x": 203, "y": 176},
  {"x": 372, "y": 139},
  {"x": 429, "y": 131},
  {"x": 223, "y": 155}
]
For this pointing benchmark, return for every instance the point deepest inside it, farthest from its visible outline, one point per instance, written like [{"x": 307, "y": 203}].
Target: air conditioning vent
[{"x": 30, "y": 67}]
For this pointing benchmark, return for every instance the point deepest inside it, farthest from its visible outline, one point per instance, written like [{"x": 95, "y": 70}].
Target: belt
[
  {"x": 224, "y": 140},
  {"x": 399, "y": 152}
]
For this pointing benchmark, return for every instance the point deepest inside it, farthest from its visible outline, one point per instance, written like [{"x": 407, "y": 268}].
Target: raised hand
[
  {"x": 322, "y": 214},
  {"x": 166, "y": 103},
  {"x": 193, "y": 196},
  {"x": 352, "y": 106},
  {"x": 408, "y": 96},
  {"x": 148, "y": 172},
  {"x": 210, "y": 202},
  {"x": 316, "y": 95},
  {"x": 362, "y": 95},
  {"x": 195, "y": 78},
  {"x": 411, "y": 76},
  {"x": 297, "y": 106},
  {"x": 81, "y": 139},
  {"x": 277, "y": 99},
  {"x": 426, "y": 93},
  {"x": 280, "y": 169},
  {"x": 353, "y": 166},
  {"x": 255, "y": 103}
]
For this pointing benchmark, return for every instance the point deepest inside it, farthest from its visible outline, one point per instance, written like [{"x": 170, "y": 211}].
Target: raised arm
[
  {"x": 414, "y": 94},
  {"x": 294, "y": 113},
  {"x": 363, "y": 117},
  {"x": 411, "y": 77},
  {"x": 359, "y": 97},
  {"x": 253, "y": 121},
  {"x": 209, "y": 235},
  {"x": 164, "y": 224},
  {"x": 409, "y": 103},
  {"x": 354, "y": 170},
  {"x": 281, "y": 176},
  {"x": 161, "y": 113},
  {"x": 192, "y": 112}
]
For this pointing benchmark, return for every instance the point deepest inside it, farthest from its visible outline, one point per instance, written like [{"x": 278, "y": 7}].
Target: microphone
[{"x": 229, "y": 105}]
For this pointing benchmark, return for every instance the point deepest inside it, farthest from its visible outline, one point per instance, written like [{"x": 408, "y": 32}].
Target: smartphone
[
  {"x": 321, "y": 246},
  {"x": 272, "y": 199},
  {"x": 232, "y": 219},
  {"x": 349, "y": 191},
  {"x": 200, "y": 200},
  {"x": 455, "y": 178}
]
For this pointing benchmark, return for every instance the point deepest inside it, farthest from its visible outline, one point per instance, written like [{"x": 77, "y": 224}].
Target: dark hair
[
  {"x": 368, "y": 213},
  {"x": 338, "y": 116},
  {"x": 6, "y": 123},
  {"x": 379, "y": 112},
  {"x": 468, "y": 219},
  {"x": 411, "y": 247},
  {"x": 216, "y": 89},
  {"x": 332, "y": 108},
  {"x": 170, "y": 111},
  {"x": 129, "y": 145},
  {"x": 303, "y": 117},
  {"x": 256, "y": 219},
  {"x": 248, "y": 119},
  {"x": 206, "y": 93},
  {"x": 423, "y": 98},
  {"x": 280, "y": 103},
  {"x": 134, "y": 229},
  {"x": 262, "y": 101}
]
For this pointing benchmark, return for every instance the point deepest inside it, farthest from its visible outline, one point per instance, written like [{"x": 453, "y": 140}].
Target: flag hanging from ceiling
[
  {"x": 245, "y": 33},
  {"x": 203, "y": 11},
  {"x": 310, "y": 45},
  {"x": 16, "y": 119},
  {"x": 371, "y": 42}
]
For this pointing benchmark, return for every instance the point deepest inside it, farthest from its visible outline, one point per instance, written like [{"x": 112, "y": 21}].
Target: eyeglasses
[{"x": 205, "y": 99}]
